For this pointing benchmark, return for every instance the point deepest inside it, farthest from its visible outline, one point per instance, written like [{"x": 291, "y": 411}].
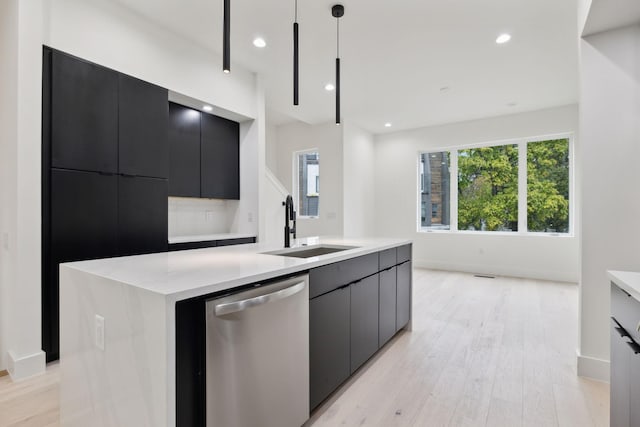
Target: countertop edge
[
  {"x": 174, "y": 295},
  {"x": 629, "y": 281}
]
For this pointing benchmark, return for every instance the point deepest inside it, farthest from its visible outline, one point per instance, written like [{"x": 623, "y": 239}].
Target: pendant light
[
  {"x": 296, "y": 89},
  {"x": 226, "y": 38},
  {"x": 337, "y": 11}
]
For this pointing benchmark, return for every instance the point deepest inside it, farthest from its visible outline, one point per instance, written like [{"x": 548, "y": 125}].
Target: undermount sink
[{"x": 310, "y": 251}]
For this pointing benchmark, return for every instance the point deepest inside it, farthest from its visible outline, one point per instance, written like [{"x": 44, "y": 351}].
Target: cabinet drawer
[
  {"x": 626, "y": 311},
  {"x": 404, "y": 253},
  {"x": 329, "y": 277},
  {"x": 388, "y": 258}
]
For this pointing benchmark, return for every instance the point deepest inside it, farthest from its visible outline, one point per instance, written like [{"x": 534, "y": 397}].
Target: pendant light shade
[
  {"x": 226, "y": 37},
  {"x": 337, "y": 11},
  {"x": 296, "y": 81}
]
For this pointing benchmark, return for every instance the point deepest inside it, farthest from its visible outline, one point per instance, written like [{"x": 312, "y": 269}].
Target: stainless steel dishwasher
[{"x": 258, "y": 356}]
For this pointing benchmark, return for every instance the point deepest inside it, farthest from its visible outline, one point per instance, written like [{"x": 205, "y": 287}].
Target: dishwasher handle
[{"x": 235, "y": 306}]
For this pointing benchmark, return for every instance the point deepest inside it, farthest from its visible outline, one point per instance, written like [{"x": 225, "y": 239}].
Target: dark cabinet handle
[
  {"x": 127, "y": 175},
  {"x": 634, "y": 347},
  {"x": 622, "y": 332},
  {"x": 106, "y": 173}
]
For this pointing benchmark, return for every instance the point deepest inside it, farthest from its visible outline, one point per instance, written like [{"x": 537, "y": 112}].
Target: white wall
[
  {"x": 396, "y": 201},
  {"x": 359, "y": 177},
  {"x": 271, "y": 147},
  {"x": 8, "y": 160},
  {"x": 327, "y": 138},
  {"x": 108, "y": 34},
  {"x": 610, "y": 138}
]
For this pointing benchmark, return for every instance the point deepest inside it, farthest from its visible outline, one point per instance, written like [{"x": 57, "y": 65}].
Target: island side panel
[{"x": 126, "y": 383}]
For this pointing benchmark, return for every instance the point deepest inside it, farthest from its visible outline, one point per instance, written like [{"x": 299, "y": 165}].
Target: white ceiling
[{"x": 395, "y": 55}]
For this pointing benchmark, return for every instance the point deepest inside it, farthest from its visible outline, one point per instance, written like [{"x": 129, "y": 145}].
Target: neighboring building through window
[
  {"x": 516, "y": 187},
  {"x": 308, "y": 183},
  {"x": 434, "y": 186}
]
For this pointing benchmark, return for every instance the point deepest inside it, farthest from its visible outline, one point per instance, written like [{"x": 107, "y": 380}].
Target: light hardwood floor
[{"x": 483, "y": 352}]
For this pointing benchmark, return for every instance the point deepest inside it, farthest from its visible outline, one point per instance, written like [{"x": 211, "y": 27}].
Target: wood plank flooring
[{"x": 483, "y": 352}]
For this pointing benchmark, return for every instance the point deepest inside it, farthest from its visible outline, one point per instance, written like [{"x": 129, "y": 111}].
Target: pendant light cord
[
  {"x": 338, "y": 38},
  {"x": 296, "y": 12}
]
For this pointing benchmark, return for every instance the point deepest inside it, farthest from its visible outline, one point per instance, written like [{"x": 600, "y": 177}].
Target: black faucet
[{"x": 289, "y": 215}]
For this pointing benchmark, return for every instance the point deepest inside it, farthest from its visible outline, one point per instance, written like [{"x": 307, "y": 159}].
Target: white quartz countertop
[
  {"x": 627, "y": 280},
  {"x": 208, "y": 237},
  {"x": 190, "y": 273}
]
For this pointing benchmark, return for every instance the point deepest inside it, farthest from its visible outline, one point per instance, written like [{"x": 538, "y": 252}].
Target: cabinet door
[
  {"x": 84, "y": 115},
  {"x": 364, "y": 320},
  {"x": 387, "y": 311},
  {"x": 328, "y": 343},
  {"x": 84, "y": 216},
  {"x": 184, "y": 149},
  {"x": 143, "y": 122},
  {"x": 220, "y": 158},
  {"x": 403, "y": 295},
  {"x": 620, "y": 359},
  {"x": 84, "y": 224},
  {"x": 142, "y": 215}
]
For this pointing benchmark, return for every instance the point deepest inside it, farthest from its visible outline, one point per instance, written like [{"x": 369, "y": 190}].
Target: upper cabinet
[
  {"x": 220, "y": 158},
  {"x": 205, "y": 155},
  {"x": 105, "y": 121},
  {"x": 84, "y": 122},
  {"x": 143, "y": 116},
  {"x": 184, "y": 146}
]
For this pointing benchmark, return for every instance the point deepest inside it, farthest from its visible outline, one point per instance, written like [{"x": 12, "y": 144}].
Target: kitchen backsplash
[{"x": 190, "y": 216}]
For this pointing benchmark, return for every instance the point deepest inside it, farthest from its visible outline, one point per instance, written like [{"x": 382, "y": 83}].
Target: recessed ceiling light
[
  {"x": 259, "y": 42},
  {"x": 503, "y": 38},
  {"x": 207, "y": 108},
  {"x": 329, "y": 86},
  {"x": 387, "y": 125}
]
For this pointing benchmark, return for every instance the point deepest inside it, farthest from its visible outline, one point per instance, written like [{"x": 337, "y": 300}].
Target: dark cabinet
[
  {"x": 364, "y": 320},
  {"x": 84, "y": 211},
  {"x": 184, "y": 147},
  {"x": 205, "y": 155},
  {"x": 219, "y": 158},
  {"x": 387, "y": 306},
  {"x": 329, "y": 343},
  {"x": 143, "y": 115},
  {"x": 403, "y": 295},
  {"x": 84, "y": 115},
  {"x": 634, "y": 386},
  {"x": 104, "y": 134},
  {"x": 142, "y": 215}
]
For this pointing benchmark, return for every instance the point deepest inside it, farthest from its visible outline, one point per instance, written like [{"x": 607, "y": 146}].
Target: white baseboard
[
  {"x": 27, "y": 366},
  {"x": 504, "y": 271},
  {"x": 591, "y": 367}
]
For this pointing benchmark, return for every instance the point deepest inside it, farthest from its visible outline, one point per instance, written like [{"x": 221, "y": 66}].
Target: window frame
[
  {"x": 522, "y": 186},
  {"x": 296, "y": 183}
]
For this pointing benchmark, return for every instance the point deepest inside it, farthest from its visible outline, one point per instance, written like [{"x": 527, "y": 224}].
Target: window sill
[{"x": 496, "y": 233}]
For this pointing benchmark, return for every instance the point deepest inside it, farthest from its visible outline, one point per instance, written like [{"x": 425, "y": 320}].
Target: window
[
  {"x": 488, "y": 188},
  {"x": 434, "y": 190},
  {"x": 520, "y": 187},
  {"x": 548, "y": 186},
  {"x": 308, "y": 183}
]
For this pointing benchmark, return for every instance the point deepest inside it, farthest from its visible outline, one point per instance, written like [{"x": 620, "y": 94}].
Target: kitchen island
[{"x": 118, "y": 319}]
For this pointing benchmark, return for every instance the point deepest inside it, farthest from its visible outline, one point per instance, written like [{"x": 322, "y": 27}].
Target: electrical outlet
[
  {"x": 5, "y": 241},
  {"x": 99, "y": 332},
  {"x": 250, "y": 217},
  {"x": 208, "y": 216}
]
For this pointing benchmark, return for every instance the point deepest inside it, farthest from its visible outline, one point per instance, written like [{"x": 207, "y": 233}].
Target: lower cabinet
[
  {"x": 403, "y": 305},
  {"x": 625, "y": 359},
  {"x": 620, "y": 358},
  {"x": 364, "y": 320},
  {"x": 355, "y": 307},
  {"x": 329, "y": 343},
  {"x": 387, "y": 306}
]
